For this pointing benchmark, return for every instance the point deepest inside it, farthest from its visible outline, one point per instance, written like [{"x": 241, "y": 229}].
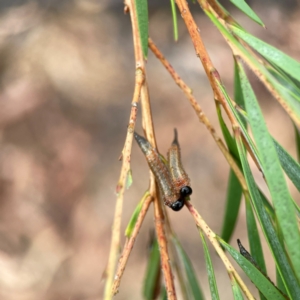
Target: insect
[{"x": 172, "y": 180}]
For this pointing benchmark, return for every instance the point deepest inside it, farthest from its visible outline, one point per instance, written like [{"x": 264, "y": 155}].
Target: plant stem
[
  {"x": 214, "y": 241},
  {"x": 126, "y": 153},
  {"x": 129, "y": 245},
  {"x": 211, "y": 71}
]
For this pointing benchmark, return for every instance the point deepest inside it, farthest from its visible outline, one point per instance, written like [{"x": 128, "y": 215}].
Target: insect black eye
[
  {"x": 178, "y": 205},
  {"x": 186, "y": 191}
]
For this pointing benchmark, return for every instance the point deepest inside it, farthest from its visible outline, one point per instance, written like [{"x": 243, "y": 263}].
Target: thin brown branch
[
  {"x": 129, "y": 245},
  {"x": 211, "y": 71},
  {"x": 147, "y": 123},
  {"x": 164, "y": 252},
  {"x": 126, "y": 153},
  {"x": 212, "y": 237},
  {"x": 175, "y": 259}
]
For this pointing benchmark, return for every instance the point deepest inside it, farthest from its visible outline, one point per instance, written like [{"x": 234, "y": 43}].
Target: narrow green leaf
[
  {"x": 273, "y": 173},
  {"x": 141, "y": 7},
  {"x": 268, "y": 207},
  {"x": 174, "y": 17},
  {"x": 240, "y": 121},
  {"x": 234, "y": 189},
  {"x": 254, "y": 240},
  {"x": 233, "y": 200},
  {"x": 135, "y": 215},
  {"x": 279, "y": 279},
  {"x": 289, "y": 98},
  {"x": 237, "y": 293},
  {"x": 297, "y": 137},
  {"x": 286, "y": 86},
  {"x": 289, "y": 165},
  {"x": 285, "y": 62},
  {"x": 259, "y": 280},
  {"x": 285, "y": 81},
  {"x": 152, "y": 273},
  {"x": 238, "y": 93},
  {"x": 230, "y": 142},
  {"x": 278, "y": 252},
  {"x": 244, "y": 7},
  {"x": 192, "y": 280},
  {"x": 210, "y": 270},
  {"x": 280, "y": 283}
]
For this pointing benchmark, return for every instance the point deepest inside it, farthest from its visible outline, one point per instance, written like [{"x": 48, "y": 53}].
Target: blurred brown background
[{"x": 66, "y": 82}]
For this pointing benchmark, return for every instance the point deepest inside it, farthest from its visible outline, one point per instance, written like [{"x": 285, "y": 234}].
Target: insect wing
[{"x": 179, "y": 177}]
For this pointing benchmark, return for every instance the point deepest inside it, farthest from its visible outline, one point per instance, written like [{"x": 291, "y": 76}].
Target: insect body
[
  {"x": 161, "y": 173},
  {"x": 179, "y": 177},
  {"x": 168, "y": 180}
]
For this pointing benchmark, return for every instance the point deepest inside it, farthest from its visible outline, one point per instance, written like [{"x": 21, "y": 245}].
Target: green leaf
[
  {"x": 237, "y": 293},
  {"x": 233, "y": 200},
  {"x": 279, "y": 279},
  {"x": 134, "y": 217},
  {"x": 278, "y": 58},
  {"x": 259, "y": 280},
  {"x": 286, "y": 88},
  {"x": 278, "y": 252},
  {"x": 240, "y": 121},
  {"x": 297, "y": 136},
  {"x": 254, "y": 240},
  {"x": 243, "y": 6},
  {"x": 268, "y": 207},
  {"x": 174, "y": 17},
  {"x": 210, "y": 270},
  {"x": 290, "y": 99},
  {"x": 238, "y": 93},
  {"x": 230, "y": 142},
  {"x": 192, "y": 281},
  {"x": 152, "y": 273},
  {"x": 141, "y": 7},
  {"x": 234, "y": 189},
  {"x": 273, "y": 173},
  {"x": 285, "y": 81},
  {"x": 289, "y": 165}
]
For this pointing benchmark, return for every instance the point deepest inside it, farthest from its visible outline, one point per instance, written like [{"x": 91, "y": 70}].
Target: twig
[
  {"x": 213, "y": 239},
  {"x": 126, "y": 153},
  {"x": 129, "y": 244},
  {"x": 164, "y": 253},
  {"x": 149, "y": 133},
  {"x": 211, "y": 71},
  {"x": 175, "y": 259}
]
